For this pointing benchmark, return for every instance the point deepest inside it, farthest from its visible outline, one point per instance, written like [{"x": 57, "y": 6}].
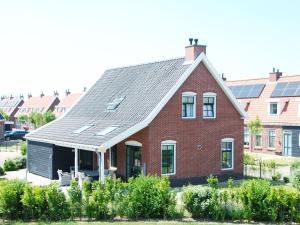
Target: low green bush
[
  {"x": 253, "y": 195},
  {"x": 249, "y": 159},
  {"x": 20, "y": 162},
  {"x": 296, "y": 181},
  {"x": 10, "y": 165},
  {"x": 149, "y": 197},
  {"x": 276, "y": 177},
  {"x": 75, "y": 200},
  {"x": 23, "y": 148},
  {"x": 2, "y": 172},
  {"x": 295, "y": 164},
  {"x": 200, "y": 201},
  {"x": 286, "y": 179},
  {"x": 230, "y": 182},
  {"x": 212, "y": 181},
  {"x": 11, "y": 192}
]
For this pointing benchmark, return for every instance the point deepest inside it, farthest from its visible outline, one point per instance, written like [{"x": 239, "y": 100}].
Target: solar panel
[
  {"x": 286, "y": 89},
  {"x": 247, "y": 91}
]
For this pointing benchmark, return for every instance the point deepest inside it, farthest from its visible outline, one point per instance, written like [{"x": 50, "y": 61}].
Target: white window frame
[
  {"x": 232, "y": 157},
  {"x": 278, "y": 107},
  {"x": 299, "y": 139},
  {"x": 189, "y": 94},
  {"x": 260, "y": 132},
  {"x": 248, "y": 137},
  {"x": 168, "y": 142},
  {"x": 211, "y": 95},
  {"x": 272, "y": 148}
]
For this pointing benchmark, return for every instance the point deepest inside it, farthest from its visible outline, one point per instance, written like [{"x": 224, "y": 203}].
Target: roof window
[
  {"x": 114, "y": 104},
  {"x": 81, "y": 129},
  {"x": 106, "y": 131}
]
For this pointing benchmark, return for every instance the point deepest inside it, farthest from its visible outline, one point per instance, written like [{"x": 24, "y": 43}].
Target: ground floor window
[
  {"x": 227, "y": 153},
  {"x": 246, "y": 136},
  {"x": 113, "y": 156},
  {"x": 272, "y": 138},
  {"x": 168, "y": 157},
  {"x": 258, "y": 139}
]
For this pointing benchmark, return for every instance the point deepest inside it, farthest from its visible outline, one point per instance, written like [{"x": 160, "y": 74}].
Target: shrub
[
  {"x": 57, "y": 206},
  {"x": 295, "y": 164},
  {"x": 149, "y": 197},
  {"x": 230, "y": 182},
  {"x": 75, "y": 200},
  {"x": 20, "y": 162},
  {"x": 2, "y": 172},
  {"x": 200, "y": 201},
  {"x": 253, "y": 195},
  {"x": 10, "y": 165},
  {"x": 87, "y": 206},
  {"x": 11, "y": 192},
  {"x": 249, "y": 159},
  {"x": 23, "y": 148},
  {"x": 212, "y": 181},
  {"x": 99, "y": 201},
  {"x": 286, "y": 179},
  {"x": 284, "y": 204},
  {"x": 276, "y": 177},
  {"x": 296, "y": 181}
]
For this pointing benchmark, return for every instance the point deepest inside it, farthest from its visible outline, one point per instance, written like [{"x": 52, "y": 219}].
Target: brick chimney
[
  {"x": 275, "y": 75},
  {"x": 193, "y": 50}
]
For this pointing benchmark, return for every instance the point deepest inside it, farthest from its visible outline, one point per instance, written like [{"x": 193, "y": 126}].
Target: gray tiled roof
[{"x": 143, "y": 87}]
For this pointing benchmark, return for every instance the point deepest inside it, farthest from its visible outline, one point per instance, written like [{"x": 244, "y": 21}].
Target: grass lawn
[{"x": 150, "y": 222}]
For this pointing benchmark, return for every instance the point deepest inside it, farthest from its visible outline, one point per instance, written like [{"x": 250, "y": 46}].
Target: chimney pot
[
  {"x": 191, "y": 41},
  {"x": 196, "y": 41}
]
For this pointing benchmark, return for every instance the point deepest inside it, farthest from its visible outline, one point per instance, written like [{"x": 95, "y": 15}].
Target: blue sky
[{"x": 54, "y": 45}]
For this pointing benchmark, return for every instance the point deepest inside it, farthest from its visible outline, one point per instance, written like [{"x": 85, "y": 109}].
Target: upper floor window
[
  {"x": 209, "y": 105},
  {"x": 272, "y": 138},
  {"x": 189, "y": 105},
  {"x": 227, "y": 153},
  {"x": 246, "y": 136},
  {"x": 273, "y": 108},
  {"x": 168, "y": 157}
]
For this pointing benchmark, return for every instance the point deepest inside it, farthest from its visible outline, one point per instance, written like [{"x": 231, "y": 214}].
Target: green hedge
[{"x": 15, "y": 164}]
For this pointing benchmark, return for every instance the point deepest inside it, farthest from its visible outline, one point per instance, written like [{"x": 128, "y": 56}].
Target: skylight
[
  {"x": 81, "y": 129},
  {"x": 115, "y": 103},
  {"x": 106, "y": 131}
]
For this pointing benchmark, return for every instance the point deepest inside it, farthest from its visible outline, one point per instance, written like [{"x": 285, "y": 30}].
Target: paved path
[{"x": 8, "y": 155}]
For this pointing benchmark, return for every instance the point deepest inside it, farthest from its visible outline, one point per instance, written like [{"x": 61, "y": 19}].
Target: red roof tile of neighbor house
[
  {"x": 66, "y": 103},
  {"x": 38, "y": 104},
  {"x": 10, "y": 105},
  {"x": 288, "y": 106}
]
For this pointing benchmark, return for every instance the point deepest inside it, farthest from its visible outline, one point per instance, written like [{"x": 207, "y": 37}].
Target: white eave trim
[{"x": 201, "y": 58}]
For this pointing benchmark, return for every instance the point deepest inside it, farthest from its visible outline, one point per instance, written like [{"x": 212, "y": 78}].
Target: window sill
[
  {"x": 271, "y": 149},
  {"x": 257, "y": 147},
  {"x": 227, "y": 169},
  {"x": 188, "y": 118},
  {"x": 209, "y": 118},
  {"x": 169, "y": 174},
  {"x": 246, "y": 146}
]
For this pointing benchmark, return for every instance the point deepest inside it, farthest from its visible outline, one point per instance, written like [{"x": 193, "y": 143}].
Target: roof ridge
[{"x": 142, "y": 64}]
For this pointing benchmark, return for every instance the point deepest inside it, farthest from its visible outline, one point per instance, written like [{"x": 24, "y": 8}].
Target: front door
[
  {"x": 133, "y": 161},
  {"x": 287, "y": 142}
]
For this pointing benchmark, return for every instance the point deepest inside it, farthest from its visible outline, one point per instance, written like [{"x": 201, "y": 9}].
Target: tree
[
  {"x": 23, "y": 118},
  {"x": 36, "y": 119},
  {"x": 48, "y": 117},
  {"x": 254, "y": 126},
  {"x": 4, "y": 114}
]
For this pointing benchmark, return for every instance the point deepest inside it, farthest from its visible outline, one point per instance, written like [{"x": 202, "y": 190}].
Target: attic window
[
  {"x": 106, "y": 131},
  {"x": 114, "y": 104},
  {"x": 81, "y": 129}
]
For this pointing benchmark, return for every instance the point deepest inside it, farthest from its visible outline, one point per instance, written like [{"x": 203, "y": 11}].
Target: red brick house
[
  {"x": 174, "y": 118},
  {"x": 40, "y": 104},
  {"x": 66, "y": 103},
  {"x": 11, "y": 105},
  {"x": 276, "y": 101}
]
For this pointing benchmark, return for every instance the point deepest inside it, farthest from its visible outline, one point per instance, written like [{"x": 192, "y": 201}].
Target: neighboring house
[
  {"x": 10, "y": 106},
  {"x": 66, "y": 103},
  {"x": 276, "y": 101},
  {"x": 1, "y": 128},
  {"x": 174, "y": 118},
  {"x": 40, "y": 104}
]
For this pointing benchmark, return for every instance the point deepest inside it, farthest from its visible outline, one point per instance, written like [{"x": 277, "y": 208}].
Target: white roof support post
[
  {"x": 76, "y": 162},
  {"x": 100, "y": 156}
]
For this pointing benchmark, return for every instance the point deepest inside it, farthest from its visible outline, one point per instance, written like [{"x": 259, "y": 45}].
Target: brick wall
[{"x": 190, "y": 133}]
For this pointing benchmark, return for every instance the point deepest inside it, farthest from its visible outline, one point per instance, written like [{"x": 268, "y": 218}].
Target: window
[
  {"x": 273, "y": 108},
  {"x": 227, "y": 153},
  {"x": 188, "y": 105},
  {"x": 272, "y": 138},
  {"x": 113, "y": 156},
  {"x": 246, "y": 136},
  {"x": 209, "y": 105},
  {"x": 168, "y": 157},
  {"x": 81, "y": 129},
  {"x": 258, "y": 140},
  {"x": 112, "y": 106},
  {"x": 106, "y": 131}
]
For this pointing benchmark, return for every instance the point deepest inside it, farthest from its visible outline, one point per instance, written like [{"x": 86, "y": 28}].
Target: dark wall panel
[
  {"x": 39, "y": 157},
  {"x": 63, "y": 159},
  {"x": 295, "y": 140}
]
